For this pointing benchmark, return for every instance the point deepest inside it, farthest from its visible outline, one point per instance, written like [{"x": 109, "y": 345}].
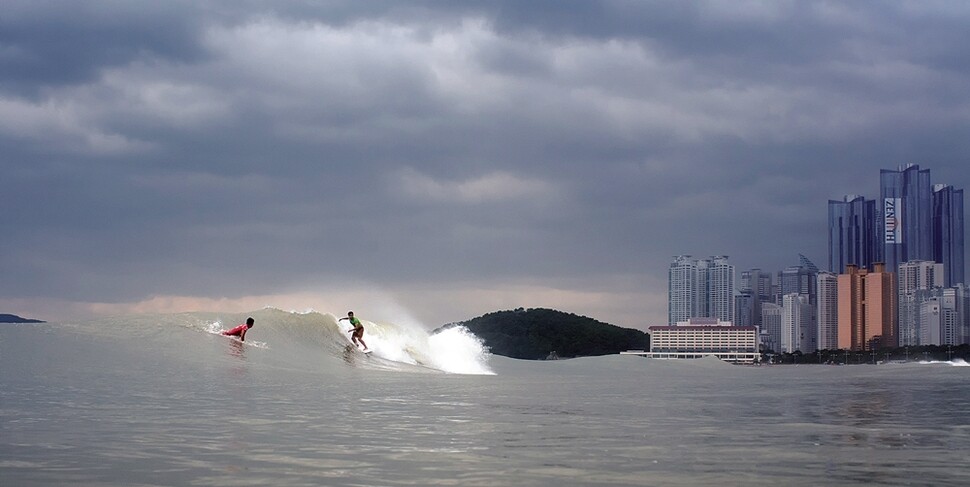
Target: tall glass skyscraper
[
  {"x": 919, "y": 221},
  {"x": 905, "y": 215},
  {"x": 948, "y": 233},
  {"x": 853, "y": 238}
]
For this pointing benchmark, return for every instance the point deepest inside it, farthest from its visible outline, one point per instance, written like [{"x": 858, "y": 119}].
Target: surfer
[
  {"x": 240, "y": 331},
  {"x": 358, "y": 329}
]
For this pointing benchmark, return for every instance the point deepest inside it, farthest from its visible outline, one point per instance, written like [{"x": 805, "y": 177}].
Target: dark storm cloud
[
  {"x": 47, "y": 44},
  {"x": 233, "y": 148}
]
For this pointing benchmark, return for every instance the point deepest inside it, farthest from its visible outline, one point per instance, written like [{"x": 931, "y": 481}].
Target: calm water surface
[{"x": 153, "y": 403}]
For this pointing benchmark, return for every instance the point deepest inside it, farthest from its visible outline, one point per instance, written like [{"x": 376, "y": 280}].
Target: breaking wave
[{"x": 295, "y": 335}]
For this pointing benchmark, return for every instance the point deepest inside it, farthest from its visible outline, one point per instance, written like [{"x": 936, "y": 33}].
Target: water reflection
[
  {"x": 237, "y": 349},
  {"x": 349, "y": 354},
  {"x": 865, "y": 409}
]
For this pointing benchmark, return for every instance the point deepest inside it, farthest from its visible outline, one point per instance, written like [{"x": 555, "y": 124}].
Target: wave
[
  {"x": 456, "y": 350},
  {"x": 957, "y": 362}
]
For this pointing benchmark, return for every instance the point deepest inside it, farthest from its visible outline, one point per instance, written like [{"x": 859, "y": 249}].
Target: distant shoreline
[{"x": 7, "y": 318}]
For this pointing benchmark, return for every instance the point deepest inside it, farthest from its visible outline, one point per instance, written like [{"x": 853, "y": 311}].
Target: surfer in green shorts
[{"x": 358, "y": 329}]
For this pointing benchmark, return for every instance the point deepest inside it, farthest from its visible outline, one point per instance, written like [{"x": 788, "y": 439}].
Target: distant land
[
  {"x": 539, "y": 334},
  {"x": 16, "y": 319}
]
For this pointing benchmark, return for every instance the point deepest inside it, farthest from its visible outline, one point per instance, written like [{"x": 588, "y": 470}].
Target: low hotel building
[{"x": 701, "y": 337}]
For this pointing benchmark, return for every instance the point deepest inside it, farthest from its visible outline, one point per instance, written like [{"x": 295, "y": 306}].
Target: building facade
[
  {"x": 771, "y": 316},
  {"x": 905, "y": 215},
  {"x": 944, "y": 317},
  {"x": 827, "y": 310},
  {"x": 747, "y": 309},
  {"x": 700, "y": 289},
  {"x": 867, "y": 308},
  {"x": 852, "y": 234},
  {"x": 921, "y": 221},
  {"x": 754, "y": 288},
  {"x": 682, "y": 291},
  {"x": 948, "y": 233},
  {"x": 917, "y": 282},
  {"x": 703, "y": 337},
  {"x": 797, "y": 324}
]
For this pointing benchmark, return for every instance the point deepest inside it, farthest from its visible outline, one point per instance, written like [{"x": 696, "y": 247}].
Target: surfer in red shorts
[{"x": 240, "y": 331}]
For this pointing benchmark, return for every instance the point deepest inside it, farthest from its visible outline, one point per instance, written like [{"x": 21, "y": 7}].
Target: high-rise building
[
  {"x": 948, "y": 233},
  {"x": 930, "y": 312},
  {"x": 961, "y": 332},
  {"x": 720, "y": 292},
  {"x": 953, "y": 327},
  {"x": 852, "y": 234},
  {"x": 771, "y": 316},
  {"x": 682, "y": 292},
  {"x": 867, "y": 308},
  {"x": 905, "y": 215},
  {"x": 797, "y": 324},
  {"x": 944, "y": 317},
  {"x": 761, "y": 284},
  {"x": 747, "y": 309},
  {"x": 800, "y": 281},
  {"x": 920, "y": 274},
  {"x": 827, "y": 310},
  {"x": 916, "y": 283},
  {"x": 700, "y": 289},
  {"x": 919, "y": 221},
  {"x": 754, "y": 288}
]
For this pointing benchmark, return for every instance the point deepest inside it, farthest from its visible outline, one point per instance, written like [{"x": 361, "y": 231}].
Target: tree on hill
[{"x": 538, "y": 333}]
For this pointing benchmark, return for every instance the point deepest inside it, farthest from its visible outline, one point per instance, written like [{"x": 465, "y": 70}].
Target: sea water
[{"x": 165, "y": 400}]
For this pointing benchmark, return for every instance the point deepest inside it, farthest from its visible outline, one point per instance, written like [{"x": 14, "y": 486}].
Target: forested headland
[
  {"x": 7, "y": 318},
  {"x": 539, "y": 334}
]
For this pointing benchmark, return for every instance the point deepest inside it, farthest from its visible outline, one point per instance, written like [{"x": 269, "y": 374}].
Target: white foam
[
  {"x": 215, "y": 328},
  {"x": 957, "y": 362},
  {"x": 459, "y": 351}
]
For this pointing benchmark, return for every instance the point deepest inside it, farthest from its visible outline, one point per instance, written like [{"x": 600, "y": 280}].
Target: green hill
[{"x": 537, "y": 333}]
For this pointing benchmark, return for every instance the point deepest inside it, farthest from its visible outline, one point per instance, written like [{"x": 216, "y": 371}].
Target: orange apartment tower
[{"x": 867, "y": 308}]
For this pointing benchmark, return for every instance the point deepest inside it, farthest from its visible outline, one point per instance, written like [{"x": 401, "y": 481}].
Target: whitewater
[
  {"x": 297, "y": 337},
  {"x": 159, "y": 400}
]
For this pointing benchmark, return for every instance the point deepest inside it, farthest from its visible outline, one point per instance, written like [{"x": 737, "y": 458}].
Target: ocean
[{"x": 165, "y": 400}]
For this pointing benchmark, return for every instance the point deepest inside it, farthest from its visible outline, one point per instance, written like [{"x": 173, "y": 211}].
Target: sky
[{"x": 429, "y": 162}]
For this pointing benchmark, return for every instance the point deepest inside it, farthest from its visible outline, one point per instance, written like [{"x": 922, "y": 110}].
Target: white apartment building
[
  {"x": 771, "y": 315},
  {"x": 918, "y": 281},
  {"x": 700, "y": 288},
  {"x": 797, "y": 324},
  {"x": 827, "y": 310}
]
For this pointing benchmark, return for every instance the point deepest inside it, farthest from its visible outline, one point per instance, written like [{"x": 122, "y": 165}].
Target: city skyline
[
  {"x": 429, "y": 162},
  {"x": 889, "y": 260}
]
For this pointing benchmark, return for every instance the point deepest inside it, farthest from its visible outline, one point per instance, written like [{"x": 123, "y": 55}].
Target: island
[
  {"x": 540, "y": 334},
  {"x": 7, "y": 318}
]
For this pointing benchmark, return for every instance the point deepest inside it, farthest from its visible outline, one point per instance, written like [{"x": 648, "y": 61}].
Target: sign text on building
[{"x": 893, "y": 228}]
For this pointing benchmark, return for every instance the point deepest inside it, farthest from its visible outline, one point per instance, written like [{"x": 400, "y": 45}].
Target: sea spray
[
  {"x": 458, "y": 350},
  {"x": 957, "y": 362}
]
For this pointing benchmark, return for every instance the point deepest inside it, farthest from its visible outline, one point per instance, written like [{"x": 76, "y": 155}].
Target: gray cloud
[{"x": 234, "y": 149}]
